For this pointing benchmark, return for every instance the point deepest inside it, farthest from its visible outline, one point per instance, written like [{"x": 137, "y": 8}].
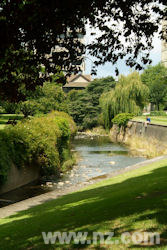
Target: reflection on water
[
  {"x": 97, "y": 156},
  {"x": 121, "y": 152}
]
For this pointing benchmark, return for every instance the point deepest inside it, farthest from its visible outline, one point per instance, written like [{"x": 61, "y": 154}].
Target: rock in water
[
  {"x": 60, "y": 183},
  {"x": 112, "y": 162}
]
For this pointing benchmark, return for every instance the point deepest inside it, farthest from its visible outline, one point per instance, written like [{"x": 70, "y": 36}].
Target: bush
[
  {"x": 27, "y": 108},
  {"x": 38, "y": 141},
  {"x": 2, "y": 110},
  {"x": 10, "y": 108},
  {"x": 122, "y": 119},
  {"x": 45, "y": 99},
  {"x": 158, "y": 113}
]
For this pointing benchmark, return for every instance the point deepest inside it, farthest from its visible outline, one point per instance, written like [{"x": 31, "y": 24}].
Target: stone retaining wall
[
  {"x": 158, "y": 132},
  {"x": 19, "y": 177}
]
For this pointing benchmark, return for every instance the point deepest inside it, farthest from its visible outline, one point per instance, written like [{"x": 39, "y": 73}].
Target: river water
[{"x": 96, "y": 156}]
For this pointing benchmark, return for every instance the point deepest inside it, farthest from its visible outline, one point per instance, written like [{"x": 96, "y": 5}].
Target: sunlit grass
[
  {"x": 133, "y": 201},
  {"x": 161, "y": 120},
  {"x": 5, "y": 117}
]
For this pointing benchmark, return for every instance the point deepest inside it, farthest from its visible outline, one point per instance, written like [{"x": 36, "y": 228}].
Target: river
[{"x": 97, "y": 156}]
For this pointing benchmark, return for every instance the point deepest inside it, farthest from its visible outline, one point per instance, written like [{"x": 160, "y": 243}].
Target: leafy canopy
[
  {"x": 51, "y": 31},
  {"x": 84, "y": 105},
  {"x": 129, "y": 96},
  {"x": 44, "y": 99},
  {"x": 155, "y": 77},
  {"x": 122, "y": 119}
]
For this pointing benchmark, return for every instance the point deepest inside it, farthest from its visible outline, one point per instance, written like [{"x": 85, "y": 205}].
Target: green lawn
[
  {"x": 5, "y": 117},
  {"x": 161, "y": 120},
  {"x": 134, "y": 201}
]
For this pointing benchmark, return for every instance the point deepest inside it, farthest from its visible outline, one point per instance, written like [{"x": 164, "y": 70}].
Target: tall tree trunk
[{"x": 158, "y": 106}]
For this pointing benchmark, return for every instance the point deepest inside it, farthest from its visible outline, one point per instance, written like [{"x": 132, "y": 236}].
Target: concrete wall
[
  {"x": 157, "y": 131},
  {"x": 19, "y": 177}
]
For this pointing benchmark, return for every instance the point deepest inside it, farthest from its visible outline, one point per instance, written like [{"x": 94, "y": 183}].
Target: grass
[
  {"x": 133, "y": 201},
  {"x": 140, "y": 146},
  {"x": 160, "y": 120},
  {"x": 5, "y": 117}
]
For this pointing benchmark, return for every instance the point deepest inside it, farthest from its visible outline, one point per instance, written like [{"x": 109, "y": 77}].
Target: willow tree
[{"x": 129, "y": 96}]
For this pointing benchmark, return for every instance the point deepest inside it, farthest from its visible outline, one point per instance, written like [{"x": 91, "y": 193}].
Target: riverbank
[
  {"x": 37, "y": 200},
  {"x": 141, "y": 140},
  {"x": 97, "y": 157},
  {"x": 134, "y": 201}
]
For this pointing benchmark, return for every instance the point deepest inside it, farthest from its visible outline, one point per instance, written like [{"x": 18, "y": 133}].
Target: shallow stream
[{"x": 97, "y": 156}]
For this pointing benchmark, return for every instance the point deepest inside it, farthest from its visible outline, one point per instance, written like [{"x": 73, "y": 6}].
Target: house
[{"x": 77, "y": 82}]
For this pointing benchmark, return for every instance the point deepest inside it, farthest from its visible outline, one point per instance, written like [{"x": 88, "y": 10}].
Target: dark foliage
[
  {"x": 84, "y": 105},
  {"x": 42, "y": 26}
]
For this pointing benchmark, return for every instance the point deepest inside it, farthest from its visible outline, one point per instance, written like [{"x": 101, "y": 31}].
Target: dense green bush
[
  {"x": 122, "y": 119},
  {"x": 158, "y": 113},
  {"x": 84, "y": 106},
  {"x": 42, "y": 141},
  {"x": 9, "y": 108},
  {"x": 45, "y": 99},
  {"x": 2, "y": 110},
  {"x": 28, "y": 108}
]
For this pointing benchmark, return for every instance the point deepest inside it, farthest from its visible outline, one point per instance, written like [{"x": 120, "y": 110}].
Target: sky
[{"x": 109, "y": 70}]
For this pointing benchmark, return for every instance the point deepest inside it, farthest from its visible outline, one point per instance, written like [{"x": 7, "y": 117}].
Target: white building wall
[{"x": 164, "y": 45}]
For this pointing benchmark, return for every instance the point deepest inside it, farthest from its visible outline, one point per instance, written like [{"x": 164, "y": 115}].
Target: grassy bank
[
  {"x": 160, "y": 120},
  {"x": 134, "y": 201},
  {"x": 4, "y": 118}
]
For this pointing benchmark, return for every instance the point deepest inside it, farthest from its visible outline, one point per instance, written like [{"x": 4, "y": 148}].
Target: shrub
[
  {"x": 45, "y": 99},
  {"x": 158, "y": 113},
  {"x": 2, "y": 110},
  {"x": 68, "y": 164},
  {"x": 122, "y": 119},
  {"x": 38, "y": 141},
  {"x": 28, "y": 108},
  {"x": 10, "y": 108}
]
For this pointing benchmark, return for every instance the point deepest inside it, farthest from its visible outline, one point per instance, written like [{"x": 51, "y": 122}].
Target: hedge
[
  {"x": 158, "y": 113},
  {"x": 42, "y": 141},
  {"x": 122, "y": 119}
]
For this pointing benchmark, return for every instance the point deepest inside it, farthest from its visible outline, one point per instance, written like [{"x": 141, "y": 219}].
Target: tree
[
  {"x": 84, "y": 105},
  {"x": 129, "y": 96},
  {"x": 126, "y": 29},
  {"x": 19, "y": 73},
  {"x": 44, "y": 99},
  {"x": 155, "y": 77}
]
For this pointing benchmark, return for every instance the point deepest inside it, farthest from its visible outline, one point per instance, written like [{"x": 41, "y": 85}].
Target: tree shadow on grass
[
  {"x": 139, "y": 201},
  {"x": 2, "y": 122}
]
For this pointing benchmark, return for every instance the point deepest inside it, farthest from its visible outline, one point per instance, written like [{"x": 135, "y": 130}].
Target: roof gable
[{"x": 79, "y": 78}]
